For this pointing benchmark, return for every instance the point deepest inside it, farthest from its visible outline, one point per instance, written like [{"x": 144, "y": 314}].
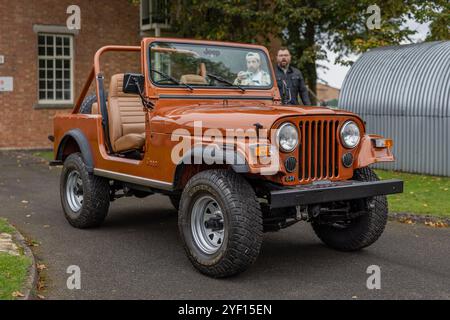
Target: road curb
[
  {"x": 31, "y": 281},
  {"x": 411, "y": 218}
]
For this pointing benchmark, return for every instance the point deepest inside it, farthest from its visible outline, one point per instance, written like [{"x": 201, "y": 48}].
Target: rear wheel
[
  {"x": 359, "y": 232},
  {"x": 84, "y": 197},
  {"x": 220, "y": 223}
]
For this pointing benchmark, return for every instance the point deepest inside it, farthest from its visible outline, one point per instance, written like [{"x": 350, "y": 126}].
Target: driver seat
[{"x": 126, "y": 118}]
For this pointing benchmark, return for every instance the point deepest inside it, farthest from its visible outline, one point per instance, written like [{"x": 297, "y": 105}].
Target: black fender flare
[
  {"x": 83, "y": 144},
  {"x": 239, "y": 165}
]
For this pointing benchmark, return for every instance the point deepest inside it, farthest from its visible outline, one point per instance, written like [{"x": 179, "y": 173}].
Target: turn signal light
[
  {"x": 384, "y": 143},
  {"x": 262, "y": 151}
]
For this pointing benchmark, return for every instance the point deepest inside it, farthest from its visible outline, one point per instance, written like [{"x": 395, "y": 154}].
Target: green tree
[
  {"x": 228, "y": 20},
  {"x": 340, "y": 26}
]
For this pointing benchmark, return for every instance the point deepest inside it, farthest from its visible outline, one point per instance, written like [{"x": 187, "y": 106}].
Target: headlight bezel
[
  {"x": 341, "y": 134},
  {"x": 279, "y": 130}
]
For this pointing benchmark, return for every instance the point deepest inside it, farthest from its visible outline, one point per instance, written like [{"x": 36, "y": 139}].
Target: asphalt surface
[{"x": 137, "y": 254}]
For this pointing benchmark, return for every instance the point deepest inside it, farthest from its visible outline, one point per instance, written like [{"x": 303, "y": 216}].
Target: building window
[
  {"x": 154, "y": 12},
  {"x": 55, "y": 61}
]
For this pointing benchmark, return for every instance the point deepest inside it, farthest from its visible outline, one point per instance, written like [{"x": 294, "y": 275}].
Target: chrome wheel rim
[
  {"x": 74, "y": 191},
  {"x": 207, "y": 225}
]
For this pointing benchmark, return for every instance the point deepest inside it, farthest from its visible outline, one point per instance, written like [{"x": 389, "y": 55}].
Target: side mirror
[{"x": 133, "y": 83}]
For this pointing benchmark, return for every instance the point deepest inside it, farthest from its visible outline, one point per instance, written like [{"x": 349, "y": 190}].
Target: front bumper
[{"x": 332, "y": 191}]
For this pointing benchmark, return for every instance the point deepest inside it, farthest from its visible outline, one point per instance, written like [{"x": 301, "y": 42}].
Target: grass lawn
[
  {"x": 47, "y": 155},
  {"x": 422, "y": 194},
  {"x": 13, "y": 269}
]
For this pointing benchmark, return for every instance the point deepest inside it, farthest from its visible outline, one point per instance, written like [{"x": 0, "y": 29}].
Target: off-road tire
[
  {"x": 364, "y": 230},
  {"x": 242, "y": 222},
  {"x": 96, "y": 195}
]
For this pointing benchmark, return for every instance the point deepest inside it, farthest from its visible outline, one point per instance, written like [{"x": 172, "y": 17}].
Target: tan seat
[
  {"x": 126, "y": 118},
  {"x": 94, "y": 109},
  {"x": 193, "y": 79},
  {"x": 199, "y": 79}
]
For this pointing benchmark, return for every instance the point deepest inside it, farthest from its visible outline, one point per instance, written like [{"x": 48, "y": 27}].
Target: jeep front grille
[{"x": 318, "y": 151}]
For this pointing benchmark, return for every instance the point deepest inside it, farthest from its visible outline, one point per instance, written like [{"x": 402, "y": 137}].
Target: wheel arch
[
  {"x": 75, "y": 141},
  {"x": 188, "y": 166}
]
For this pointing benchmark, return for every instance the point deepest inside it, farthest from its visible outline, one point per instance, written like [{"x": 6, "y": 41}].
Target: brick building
[
  {"x": 327, "y": 93},
  {"x": 43, "y": 64}
]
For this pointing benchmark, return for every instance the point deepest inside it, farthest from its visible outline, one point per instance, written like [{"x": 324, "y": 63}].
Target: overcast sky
[{"x": 336, "y": 73}]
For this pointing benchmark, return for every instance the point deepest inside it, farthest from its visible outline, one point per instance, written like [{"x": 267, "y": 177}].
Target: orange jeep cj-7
[{"x": 202, "y": 122}]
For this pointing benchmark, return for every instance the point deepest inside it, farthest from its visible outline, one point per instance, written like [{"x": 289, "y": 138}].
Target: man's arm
[{"x": 303, "y": 91}]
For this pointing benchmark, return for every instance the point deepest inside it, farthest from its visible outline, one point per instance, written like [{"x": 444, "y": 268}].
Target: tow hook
[
  {"x": 301, "y": 213},
  {"x": 307, "y": 213}
]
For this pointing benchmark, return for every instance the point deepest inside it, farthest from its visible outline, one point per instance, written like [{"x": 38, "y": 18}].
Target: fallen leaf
[
  {"x": 407, "y": 221},
  {"x": 430, "y": 223},
  {"x": 24, "y": 201},
  {"x": 40, "y": 285},
  {"x": 46, "y": 226},
  {"x": 41, "y": 267},
  {"x": 34, "y": 244},
  {"x": 40, "y": 296},
  {"x": 17, "y": 294},
  {"x": 436, "y": 224}
]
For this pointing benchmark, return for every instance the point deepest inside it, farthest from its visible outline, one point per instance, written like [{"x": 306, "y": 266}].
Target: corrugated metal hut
[{"x": 403, "y": 92}]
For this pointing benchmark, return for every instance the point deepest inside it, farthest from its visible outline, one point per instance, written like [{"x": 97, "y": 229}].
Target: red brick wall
[
  {"x": 325, "y": 92},
  {"x": 103, "y": 22}
]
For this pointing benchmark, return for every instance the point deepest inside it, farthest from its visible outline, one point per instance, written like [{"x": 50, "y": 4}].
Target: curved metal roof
[{"x": 407, "y": 80}]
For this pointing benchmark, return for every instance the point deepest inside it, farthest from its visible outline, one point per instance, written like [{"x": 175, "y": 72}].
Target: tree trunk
[{"x": 311, "y": 67}]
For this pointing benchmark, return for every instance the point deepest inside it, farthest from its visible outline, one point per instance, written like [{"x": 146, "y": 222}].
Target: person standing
[{"x": 290, "y": 80}]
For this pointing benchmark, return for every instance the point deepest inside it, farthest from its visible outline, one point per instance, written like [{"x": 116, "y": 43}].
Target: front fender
[{"x": 368, "y": 154}]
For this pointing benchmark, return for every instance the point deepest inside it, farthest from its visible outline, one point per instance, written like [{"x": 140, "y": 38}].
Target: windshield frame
[{"x": 218, "y": 87}]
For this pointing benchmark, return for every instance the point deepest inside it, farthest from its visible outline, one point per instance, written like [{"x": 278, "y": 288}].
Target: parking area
[{"x": 137, "y": 254}]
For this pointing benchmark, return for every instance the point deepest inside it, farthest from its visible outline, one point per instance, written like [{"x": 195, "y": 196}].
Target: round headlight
[
  {"x": 350, "y": 134},
  {"x": 287, "y": 137}
]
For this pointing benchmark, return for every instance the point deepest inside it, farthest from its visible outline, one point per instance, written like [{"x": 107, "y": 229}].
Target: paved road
[{"x": 137, "y": 254}]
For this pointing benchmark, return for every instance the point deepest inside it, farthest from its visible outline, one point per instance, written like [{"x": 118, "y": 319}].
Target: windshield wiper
[
  {"x": 220, "y": 79},
  {"x": 166, "y": 76}
]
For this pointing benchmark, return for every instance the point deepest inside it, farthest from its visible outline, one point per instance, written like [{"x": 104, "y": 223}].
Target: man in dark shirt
[{"x": 290, "y": 80}]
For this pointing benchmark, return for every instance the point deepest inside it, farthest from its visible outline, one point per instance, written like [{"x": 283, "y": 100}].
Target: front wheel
[
  {"x": 360, "y": 232},
  {"x": 220, "y": 223},
  {"x": 84, "y": 197}
]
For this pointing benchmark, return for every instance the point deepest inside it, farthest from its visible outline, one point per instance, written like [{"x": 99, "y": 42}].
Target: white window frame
[
  {"x": 151, "y": 25},
  {"x": 55, "y": 57}
]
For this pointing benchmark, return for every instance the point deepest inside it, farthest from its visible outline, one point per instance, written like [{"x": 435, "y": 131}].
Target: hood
[{"x": 219, "y": 116}]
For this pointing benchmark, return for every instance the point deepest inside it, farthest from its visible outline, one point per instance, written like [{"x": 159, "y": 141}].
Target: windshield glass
[{"x": 200, "y": 65}]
